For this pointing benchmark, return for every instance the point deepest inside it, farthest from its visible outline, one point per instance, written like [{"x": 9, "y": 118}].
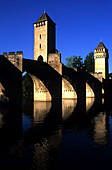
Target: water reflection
[
  {"x": 68, "y": 107},
  {"x": 44, "y": 138},
  {"x": 41, "y": 109},
  {"x": 1, "y": 120},
  {"x": 89, "y": 103},
  {"x": 45, "y": 134},
  {"x": 100, "y": 129},
  {"x": 44, "y": 151}
]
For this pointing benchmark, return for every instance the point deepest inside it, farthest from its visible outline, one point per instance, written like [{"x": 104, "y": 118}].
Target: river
[{"x": 42, "y": 136}]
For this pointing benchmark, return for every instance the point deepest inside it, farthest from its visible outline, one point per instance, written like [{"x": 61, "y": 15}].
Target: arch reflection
[
  {"x": 89, "y": 103},
  {"x": 41, "y": 109},
  {"x": 68, "y": 107},
  {"x": 100, "y": 129}
]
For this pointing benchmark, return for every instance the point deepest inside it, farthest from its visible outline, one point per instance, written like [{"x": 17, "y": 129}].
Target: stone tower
[
  {"x": 44, "y": 37},
  {"x": 101, "y": 60}
]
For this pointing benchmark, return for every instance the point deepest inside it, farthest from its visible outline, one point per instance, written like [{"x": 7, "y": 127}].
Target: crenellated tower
[
  {"x": 101, "y": 56},
  {"x": 44, "y": 37}
]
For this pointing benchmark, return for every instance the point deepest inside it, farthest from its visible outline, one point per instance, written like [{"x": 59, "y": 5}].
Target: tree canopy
[
  {"x": 89, "y": 62},
  {"x": 77, "y": 61},
  {"x": 74, "y": 61}
]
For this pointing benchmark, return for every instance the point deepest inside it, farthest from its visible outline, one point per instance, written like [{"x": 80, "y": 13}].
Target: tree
[
  {"x": 89, "y": 62},
  {"x": 74, "y": 61}
]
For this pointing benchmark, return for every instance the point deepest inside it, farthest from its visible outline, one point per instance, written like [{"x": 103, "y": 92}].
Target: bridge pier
[
  {"x": 49, "y": 76},
  {"x": 98, "y": 94},
  {"x": 11, "y": 79},
  {"x": 81, "y": 90}
]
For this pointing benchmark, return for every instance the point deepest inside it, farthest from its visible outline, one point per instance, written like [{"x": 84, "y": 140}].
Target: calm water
[{"x": 41, "y": 136}]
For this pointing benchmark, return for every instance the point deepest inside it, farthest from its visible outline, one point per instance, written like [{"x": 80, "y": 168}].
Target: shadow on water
[
  {"x": 44, "y": 136},
  {"x": 10, "y": 136}
]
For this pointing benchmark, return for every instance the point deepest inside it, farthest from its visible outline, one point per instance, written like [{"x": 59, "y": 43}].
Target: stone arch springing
[
  {"x": 48, "y": 76},
  {"x": 34, "y": 89},
  {"x": 41, "y": 92},
  {"x": 70, "y": 75},
  {"x": 68, "y": 91},
  {"x": 89, "y": 91}
]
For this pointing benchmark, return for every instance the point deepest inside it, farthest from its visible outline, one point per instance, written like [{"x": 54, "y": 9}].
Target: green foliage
[
  {"x": 27, "y": 87},
  {"x": 89, "y": 62},
  {"x": 74, "y": 61}
]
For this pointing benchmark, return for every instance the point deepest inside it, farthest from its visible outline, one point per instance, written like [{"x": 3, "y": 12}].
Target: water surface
[{"x": 43, "y": 136}]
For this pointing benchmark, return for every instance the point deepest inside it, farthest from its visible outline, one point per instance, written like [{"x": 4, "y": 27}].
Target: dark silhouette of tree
[
  {"x": 89, "y": 63},
  {"x": 74, "y": 61}
]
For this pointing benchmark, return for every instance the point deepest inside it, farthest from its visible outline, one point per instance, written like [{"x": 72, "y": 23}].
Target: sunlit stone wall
[
  {"x": 40, "y": 40},
  {"x": 41, "y": 93},
  {"x": 101, "y": 60},
  {"x": 89, "y": 91},
  {"x": 15, "y": 59},
  {"x": 68, "y": 91},
  {"x": 1, "y": 89},
  {"x": 54, "y": 60}
]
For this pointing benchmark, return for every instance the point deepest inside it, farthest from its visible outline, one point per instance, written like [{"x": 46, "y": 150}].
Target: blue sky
[{"x": 80, "y": 25}]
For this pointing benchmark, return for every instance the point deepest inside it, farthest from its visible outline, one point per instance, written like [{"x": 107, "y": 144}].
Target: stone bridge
[
  {"x": 12, "y": 66},
  {"x": 50, "y": 78}
]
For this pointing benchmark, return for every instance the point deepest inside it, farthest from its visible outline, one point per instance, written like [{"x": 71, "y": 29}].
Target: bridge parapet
[{"x": 15, "y": 59}]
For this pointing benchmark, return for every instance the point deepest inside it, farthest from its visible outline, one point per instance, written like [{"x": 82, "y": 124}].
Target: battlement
[
  {"x": 19, "y": 52},
  {"x": 11, "y": 53},
  {"x": 15, "y": 58},
  {"x": 5, "y": 53}
]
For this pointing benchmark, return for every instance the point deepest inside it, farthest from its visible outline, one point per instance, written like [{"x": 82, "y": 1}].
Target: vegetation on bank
[{"x": 77, "y": 61}]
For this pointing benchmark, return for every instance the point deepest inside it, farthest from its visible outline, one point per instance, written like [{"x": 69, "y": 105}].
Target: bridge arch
[
  {"x": 95, "y": 85},
  {"x": 72, "y": 77},
  {"x": 89, "y": 91},
  {"x": 41, "y": 92},
  {"x": 68, "y": 92},
  {"x": 47, "y": 75},
  {"x": 78, "y": 80}
]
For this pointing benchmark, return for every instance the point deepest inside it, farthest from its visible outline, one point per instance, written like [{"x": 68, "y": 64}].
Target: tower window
[
  {"x": 40, "y": 36},
  {"x": 40, "y": 46}
]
